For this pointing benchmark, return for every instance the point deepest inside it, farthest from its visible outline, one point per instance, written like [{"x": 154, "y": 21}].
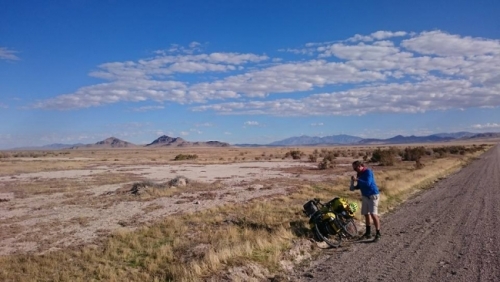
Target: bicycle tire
[
  {"x": 349, "y": 227},
  {"x": 332, "y": 240}
]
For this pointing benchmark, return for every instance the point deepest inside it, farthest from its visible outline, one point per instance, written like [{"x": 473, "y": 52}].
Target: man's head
[{"x": 358, "y": 166}]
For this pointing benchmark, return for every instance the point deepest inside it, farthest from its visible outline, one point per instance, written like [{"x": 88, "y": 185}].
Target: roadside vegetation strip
[{"x": 194, "y": 246}]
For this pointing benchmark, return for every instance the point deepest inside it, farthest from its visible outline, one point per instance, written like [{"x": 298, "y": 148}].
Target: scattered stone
[
  {"x": 179, "y": 181},
  {"x": 256, "y": 186}
]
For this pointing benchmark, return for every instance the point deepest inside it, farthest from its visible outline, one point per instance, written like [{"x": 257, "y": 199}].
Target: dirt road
[{"x": 449, "y": 233}]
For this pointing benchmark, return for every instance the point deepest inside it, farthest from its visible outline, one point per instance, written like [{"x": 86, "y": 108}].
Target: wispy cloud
[
  {"x": 205, "y": 124},
  {"x": 385, "y": 71},
  {"x": 486, "y": 126},
  {"x": 378, "y": 35},
  {"x": 8, "y": 54},
  {"x": 317, "y": 124},
  {"x": 3, "y": 106},
  {"x": 148, "y": 108},
  {"x": 251, "y": 123}
]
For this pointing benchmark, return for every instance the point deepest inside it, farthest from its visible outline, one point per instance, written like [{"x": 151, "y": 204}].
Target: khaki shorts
[{"x": 370, "y": 205}]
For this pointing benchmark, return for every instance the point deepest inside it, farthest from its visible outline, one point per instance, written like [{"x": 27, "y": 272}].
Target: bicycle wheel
[
  {"x": 325, "y": 233},
  {"x": 349, "y": 227}
]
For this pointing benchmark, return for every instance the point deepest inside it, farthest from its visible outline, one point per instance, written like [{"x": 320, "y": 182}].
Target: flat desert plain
[{"x": 60, "y": 199}]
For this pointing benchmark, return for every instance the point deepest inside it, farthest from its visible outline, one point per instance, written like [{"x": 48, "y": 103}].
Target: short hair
[{"x": 357, "y": 163}]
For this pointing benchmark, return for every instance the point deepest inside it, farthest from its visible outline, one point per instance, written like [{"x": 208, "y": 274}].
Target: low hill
[
  {"x": 110, "y": 142},
  {"x": 167, "y": 141}
]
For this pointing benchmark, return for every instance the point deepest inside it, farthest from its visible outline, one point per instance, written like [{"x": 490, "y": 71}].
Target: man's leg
[
  {"x": 374, "y": 215},
  {"x": 365, "y": 205},
  {"x": 368, "y": 233},
  {"x": 376, "y": 221}
]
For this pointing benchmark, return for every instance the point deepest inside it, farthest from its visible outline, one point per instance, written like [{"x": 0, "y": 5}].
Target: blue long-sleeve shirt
[{"x": 366, "y": 183}]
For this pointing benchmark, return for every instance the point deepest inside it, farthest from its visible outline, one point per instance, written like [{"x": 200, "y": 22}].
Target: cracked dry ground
[{"x": 448, "y": 233}]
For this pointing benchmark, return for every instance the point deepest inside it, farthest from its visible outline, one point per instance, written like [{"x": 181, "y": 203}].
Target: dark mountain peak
[
  {"x": 165, "y": 140},
  {"x": 111, "y": 141},
  {"x": 218, "y": 144}
]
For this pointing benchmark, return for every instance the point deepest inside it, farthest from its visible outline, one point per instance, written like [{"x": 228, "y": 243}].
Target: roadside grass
[
  {"x": 202, "y": 245},
  {"x": 398, "y": 184}
]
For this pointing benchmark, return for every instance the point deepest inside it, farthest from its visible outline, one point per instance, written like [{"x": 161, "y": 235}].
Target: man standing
[{"x": 370, "y": 194}]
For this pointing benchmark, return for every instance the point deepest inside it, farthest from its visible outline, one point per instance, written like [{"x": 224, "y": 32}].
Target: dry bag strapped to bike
[
  {"x": 340, "y": 206},
  {"x": 310, "y": 208}
]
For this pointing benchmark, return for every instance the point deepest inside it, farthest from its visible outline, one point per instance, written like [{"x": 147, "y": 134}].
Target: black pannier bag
[{"x": 310, "y": 208}]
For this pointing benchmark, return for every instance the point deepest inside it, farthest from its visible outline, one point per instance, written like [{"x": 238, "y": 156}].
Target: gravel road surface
[{"x": 451, "y": 232}]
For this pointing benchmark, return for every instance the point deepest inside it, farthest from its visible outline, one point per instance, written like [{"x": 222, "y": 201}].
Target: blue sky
[{"x": 245, "y": 71}]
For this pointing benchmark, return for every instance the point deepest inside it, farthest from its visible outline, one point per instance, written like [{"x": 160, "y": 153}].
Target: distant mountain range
[
  {"x": 113, "y": 142},
  {"x": 162, "y": 141},
  {"x": 342, "y": 139},
  {"x": 304, "y": 140}
]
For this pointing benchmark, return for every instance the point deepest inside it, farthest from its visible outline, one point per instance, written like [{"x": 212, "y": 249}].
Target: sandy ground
[
  {"x": 40, "y": 223},
  {"x": 448, "y": 233}
]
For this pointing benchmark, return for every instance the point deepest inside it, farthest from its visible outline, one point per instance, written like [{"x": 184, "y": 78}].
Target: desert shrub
[
  {"x": 330, "y": 156},
  {"x": 419, "y": 164},
  {"x": 313, "y": 158},
  {"x": 326, "y": 163},
  {"x": 384, "y": 157},
  {"x": 413, "y": 154},
  {"x": 328, "y": 160},
  {"x": 182, "y": 157},
  {"x": 295, "y": 154},
  {"x": 140, "y": 187},
  {"x": 4, "y": 155}
]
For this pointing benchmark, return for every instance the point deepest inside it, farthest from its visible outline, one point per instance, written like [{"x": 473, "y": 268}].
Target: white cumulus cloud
[{"x": 379, "y": 72}]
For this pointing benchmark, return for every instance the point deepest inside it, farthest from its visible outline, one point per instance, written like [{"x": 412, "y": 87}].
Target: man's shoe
[
  {"x": 377, "y": 237},
  {"x": 366, "y": 236},
  {"x": 368, "y": 233}
]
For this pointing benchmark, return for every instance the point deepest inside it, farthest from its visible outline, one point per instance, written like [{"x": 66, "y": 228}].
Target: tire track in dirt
[{"x": 447, "y": 233}]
